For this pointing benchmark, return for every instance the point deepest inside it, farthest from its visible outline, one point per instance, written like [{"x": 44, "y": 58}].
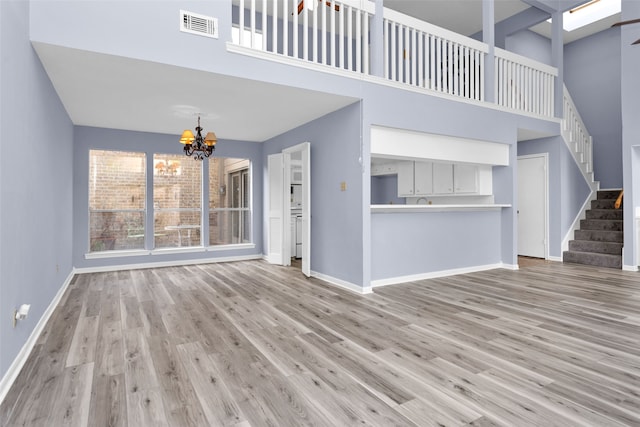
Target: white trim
[
  {"x": 341, "y": 283},
  {"x": 629, "y": 268},
  {"x": 178, "y": 250},
  {"x": 437, "y": 274},
  {"x": 174, "y": 263},
  {"x": 555, "y": 258},
  {"x": 230, "y": 247},
  {"x": 513, "y": 267},
  {"x": 116, "y": 254},
  {"x": 18, "y": 363}
]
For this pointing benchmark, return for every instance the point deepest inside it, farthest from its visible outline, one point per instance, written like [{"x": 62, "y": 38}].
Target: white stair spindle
[{"x": 241, "y": 23}]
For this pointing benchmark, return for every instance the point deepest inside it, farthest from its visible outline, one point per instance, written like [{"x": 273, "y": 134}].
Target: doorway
[
  {"x": 532, "y": 207},
  {"x": 291, "y": 166}
]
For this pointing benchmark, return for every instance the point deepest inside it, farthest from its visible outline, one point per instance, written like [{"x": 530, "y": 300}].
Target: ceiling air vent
[{"x": 198, "y": 24}]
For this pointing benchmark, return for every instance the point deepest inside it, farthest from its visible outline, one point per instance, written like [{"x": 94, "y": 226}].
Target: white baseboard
[
  {"x": 436, "y": 274},
  {"x": 18, "y": 363},
  {"x": 555, "y": 258},
  {"x": 342, "y": 283},
  {"x": 629, "y": 267},
  {"x": 513, "y": 267},
  {"x": 166, "y": 264}
]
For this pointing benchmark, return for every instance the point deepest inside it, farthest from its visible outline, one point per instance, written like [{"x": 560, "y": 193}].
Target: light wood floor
[{"x": 249, "y": 344}]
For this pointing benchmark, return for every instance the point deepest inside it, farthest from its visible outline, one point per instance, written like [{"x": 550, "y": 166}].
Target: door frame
[
  {"x": 304, "y": 147},
  {"x": 545, "y": 157},
  {"x": 279, "y": 207}
]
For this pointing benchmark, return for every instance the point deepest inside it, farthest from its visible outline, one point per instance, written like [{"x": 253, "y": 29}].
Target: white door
[
  {"x": 306, "y": 209},
  {"x": 275, "y": 234},
  {"x": 532, "y": 206},
  {"x": 303, "y": 152}
]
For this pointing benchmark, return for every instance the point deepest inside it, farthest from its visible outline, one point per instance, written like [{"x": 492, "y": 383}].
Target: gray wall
[
  {"x": 384, "y": 190},
  {"x": 418, "y": 243},
  {"x": 336, "y": 216},
  {"x": 87, "y": 138},
  {"x": 592, "y": 75},
  {"x": 36, "y": 141},
  {"x": 568, "y": 190},
  {"x": 530, "y": 44}
]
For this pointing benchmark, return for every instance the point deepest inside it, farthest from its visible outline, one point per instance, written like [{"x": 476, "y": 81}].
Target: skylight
[{"x": 589, "y": 13}]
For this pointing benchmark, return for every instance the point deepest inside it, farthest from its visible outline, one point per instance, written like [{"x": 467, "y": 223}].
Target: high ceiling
[
  {"x": 115, "y": 92},
  {"x": 465, "y": 16}
]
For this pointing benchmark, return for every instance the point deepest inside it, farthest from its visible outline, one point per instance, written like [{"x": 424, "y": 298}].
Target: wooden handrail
[{"x": 619, "y": 200}]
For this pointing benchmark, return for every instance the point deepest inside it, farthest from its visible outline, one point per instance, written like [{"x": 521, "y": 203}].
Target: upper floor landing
[
  {"x": 318, "y": 54},
  {"x": 369, "y": 41}
]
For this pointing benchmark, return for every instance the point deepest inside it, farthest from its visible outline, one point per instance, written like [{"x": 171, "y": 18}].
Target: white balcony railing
[
  {"x": 524, "y": 84},
  {"x": 427, "y": 56},
  {"x": 334, "y": 33}
]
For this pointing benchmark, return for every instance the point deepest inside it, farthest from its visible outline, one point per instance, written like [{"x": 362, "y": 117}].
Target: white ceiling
[
  {"x": 462, "y": 16},
  {"x": 123, "y": 93}
]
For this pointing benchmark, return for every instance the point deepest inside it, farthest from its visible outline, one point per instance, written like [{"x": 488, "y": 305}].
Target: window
[
  {"x": 177, "y": 201},
  {"x": 120, "y": 183},
  {"x": 117, "y": 183},
  {"x": 229, "y": 201}
]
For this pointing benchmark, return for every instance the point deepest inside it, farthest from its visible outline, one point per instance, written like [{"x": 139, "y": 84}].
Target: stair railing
[
  {"x": 580, "y": 144},
  {"x": 578, "y": 139}
]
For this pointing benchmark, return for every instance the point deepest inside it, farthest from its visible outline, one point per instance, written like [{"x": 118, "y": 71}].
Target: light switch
[{"x": 343, "y": 186}]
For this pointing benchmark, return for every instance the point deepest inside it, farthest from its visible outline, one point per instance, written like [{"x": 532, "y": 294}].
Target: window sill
[
  {"x": 231, "y": 247},
  {"x": 167, "y": 251},
  {"x": 178, "y": 250},
  {"x": 116, "y": 254}
]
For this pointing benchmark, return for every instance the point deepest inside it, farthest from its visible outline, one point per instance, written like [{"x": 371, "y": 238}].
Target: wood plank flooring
[{"x": 250, "y": 344}]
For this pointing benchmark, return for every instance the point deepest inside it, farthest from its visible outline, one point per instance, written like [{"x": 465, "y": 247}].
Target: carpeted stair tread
[
  {"x": 616, "y": 214},
  {"x": 608, "y": 194},
  {"x": 611, "y": 248},
  {"x": 601, "y": 224},
  {"x": 600, "y": 238},
  {"x": 603, "y": 204},
  {"x": 599, "y": 235},
  {"x": 591, "y": 258}
]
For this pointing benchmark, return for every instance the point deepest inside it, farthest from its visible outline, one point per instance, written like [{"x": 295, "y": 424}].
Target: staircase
[{"x": 599, "y": 240}]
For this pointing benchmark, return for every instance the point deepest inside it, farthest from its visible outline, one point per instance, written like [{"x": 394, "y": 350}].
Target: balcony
[{"x": 339, "y": 36}]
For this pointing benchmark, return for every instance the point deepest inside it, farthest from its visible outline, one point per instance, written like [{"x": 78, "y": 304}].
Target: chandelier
[{"x": 201, "y": 147}]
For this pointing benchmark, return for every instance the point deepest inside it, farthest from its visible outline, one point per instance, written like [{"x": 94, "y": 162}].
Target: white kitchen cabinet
[
  {"x": 442, "y": 178},
  {"x": 465, "y": 179},
  {"x": 387, "y": 168},
  {"x": 422, "y": 178},
  {"x": 405, "y": 179},
  {"x": 417, "y": 179},
  {"x": 414, "y": 178}
]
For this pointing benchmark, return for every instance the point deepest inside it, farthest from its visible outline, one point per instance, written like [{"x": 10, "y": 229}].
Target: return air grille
[{"x": 198, "y": 24}]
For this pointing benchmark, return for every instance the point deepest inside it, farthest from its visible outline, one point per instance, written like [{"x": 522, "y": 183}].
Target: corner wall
[
  {"x": 568, "y": 189},
  {"x": 592, "y": 76},
  {"x": 336, "y": 216},
  {"x": 36, "y": 142}
]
